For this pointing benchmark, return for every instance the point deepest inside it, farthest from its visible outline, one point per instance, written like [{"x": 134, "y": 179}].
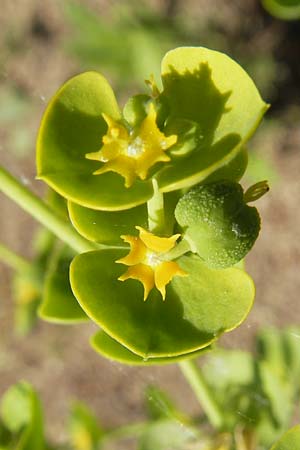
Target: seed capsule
[{"x": 218, "y": 223}]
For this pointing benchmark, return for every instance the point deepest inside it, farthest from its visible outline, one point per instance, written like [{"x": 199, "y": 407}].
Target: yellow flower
[
  {"x": 146, "y": 261},
  {"x": 131, "y": 154}
]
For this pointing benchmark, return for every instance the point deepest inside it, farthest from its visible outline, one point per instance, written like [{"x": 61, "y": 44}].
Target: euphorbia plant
[{"x": 159, "y": 220}]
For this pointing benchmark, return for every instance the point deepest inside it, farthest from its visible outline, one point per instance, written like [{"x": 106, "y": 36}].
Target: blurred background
[{"x": 42, "y": 43}]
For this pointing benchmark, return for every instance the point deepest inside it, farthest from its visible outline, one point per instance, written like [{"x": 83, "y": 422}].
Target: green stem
[
  {"x": 203, "y": 392},
  {"x": 16, "y": 262},
  {"x": 156, "y": 212},
  {"x": 179, "y": 250},
  {"x": 43, "y": 213}
]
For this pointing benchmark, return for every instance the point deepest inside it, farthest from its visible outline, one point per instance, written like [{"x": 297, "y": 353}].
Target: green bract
[
  {"x": 283, "y": 9},
  {"x": 208, "y": 109},
  {"x": 107, "y": 226},
  {"x": 111, "y": 349},
  {"x": 218, "y": 223},
  {"x": 197, "y": 308},
  {"x": 58, "y": 302}
]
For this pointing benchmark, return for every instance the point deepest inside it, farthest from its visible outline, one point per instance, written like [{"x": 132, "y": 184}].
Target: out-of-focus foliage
[
  {"x": 259, "y": 391},
  {"x": 283, "y": 9},
  {"x": 290, "y": 440},
  {"x": 128, "y": 45}
]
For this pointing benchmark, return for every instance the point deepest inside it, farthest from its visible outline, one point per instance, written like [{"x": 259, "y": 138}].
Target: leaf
[
  {"x": 107, "y": 226},
  {"x": 211, "y": 89},
  {"x": 167, "y": 434},
  {"x": 21, "y": 412},
  {"x": 111, "y": 349},
  {"x": 84, "y": 429},
  {"x": 280, "y": 348},
  {"x": 160, "y": 406},
  {"x": 289, "y": 441},
  {"x": 233, "y": 170},
  {"x": 73, "y": 126},
  {"x": 280, "y": 393},
  {"x": 16, "y": 407},
  {"x": 283, "y": 9},
  {"x": 58, "y": 302},
  {"x": 197, "y": 309}
]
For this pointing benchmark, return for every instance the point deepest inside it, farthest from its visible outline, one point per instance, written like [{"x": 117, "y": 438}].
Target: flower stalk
[
  {"x": 32, "y": 204},
  {"x": 202, "y": 392}
]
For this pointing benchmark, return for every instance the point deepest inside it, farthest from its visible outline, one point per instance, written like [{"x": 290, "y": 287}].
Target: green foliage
[
  {"x": 131, "y": 41},
  {"x": 85, "y": 432},
  {"x": 192, "y": 316},
  {"x": 283, "y": 9},
  {"x": 260, "y": 391},
  {"x": 107, "y": 227},
  {"x": 218, "y": 223},
  {"x": 58, "y": 302},
  {"x": 166, "y": 434},
  {"x": 289, "y": 441},
  {"x": 72, "y": 127},
  {"x": 112, "y": 349},
  {"x": 22, "y": 416},
  {"x": 193, "y": 130}
]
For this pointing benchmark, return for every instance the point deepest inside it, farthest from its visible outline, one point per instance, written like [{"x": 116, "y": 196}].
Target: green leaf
[
  {"x": 197, "y": 309},
  {"x": 283, "y": 9},
  {"x": 21, "y": 412},
  {"x": 16, "y": 407},
  {"x": 58, "y": 303},
  {"x": 225, "y": 368},
  {"x": 289, "y": 441},
  {"x": 167, "y": 434},
  {"x": 233, "y": 170},
  {"x": 111, "y": 349},
  {"x": 73, "y": 126},
  {"x": 84, "y": 429},
  {"x": 280, "y": 393},
  {"x": 107, "y": 226},
  {"x": 211, "y": 89},
  {"x": 160, "y": 406},
  {"x": 280, "y": 349}
]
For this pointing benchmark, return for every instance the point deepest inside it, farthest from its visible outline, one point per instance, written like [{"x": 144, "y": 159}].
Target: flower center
[
  {"x": 152, "y": 259},
  {"x": 135, "y": 148}
]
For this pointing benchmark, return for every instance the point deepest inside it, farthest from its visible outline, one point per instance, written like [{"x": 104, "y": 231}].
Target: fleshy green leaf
[
  {"x": 73, "y": 126},
  {"x": 111, "y": 349},
  {"x": 283, "y": 9},
  {"x": 289, "y": 441},
  {"x": 211, "y": 89},
  {"x": 107, "y": 226},
  {"x": 197, "y": 309},
  {"x": 58, "y": 302}
]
